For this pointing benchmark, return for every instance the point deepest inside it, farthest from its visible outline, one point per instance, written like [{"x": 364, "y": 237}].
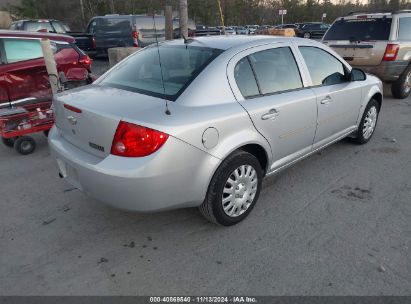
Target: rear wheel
[
  {"x": 368, "y": 123},
  {"x": 402, "y": 87},
  {"x": 234, "y": 189},
  {"x": 9, "y": 142},
  {"x": 25, "y": 145}
]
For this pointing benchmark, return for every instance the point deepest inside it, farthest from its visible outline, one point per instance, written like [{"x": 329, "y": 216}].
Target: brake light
[
  {"x": 73, "y": 109},
  {"x": 362, "y": 17},
  {"x": 135, "y": 38},
  {"x": 94, "y": 43},
  {"x": 133, "y": 140},
  {"x": 86, "y": 60},
  {"x": 391, "y": 52}
]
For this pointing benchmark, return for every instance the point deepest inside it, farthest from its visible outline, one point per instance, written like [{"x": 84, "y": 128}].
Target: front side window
[
  {"x": 245, "y": 79},
  {"x": 324, "y": 68},
  {"x": 143, "y": 73},
  {"x": 20, "y": 49},
  {"x": 405, "y": 29},
  {"x": 276, "y": 70}
]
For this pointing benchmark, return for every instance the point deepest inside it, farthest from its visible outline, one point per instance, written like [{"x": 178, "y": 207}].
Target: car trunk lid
[
  {"x": 88, "y": 117},
  {"x": 360, "y": 52}
]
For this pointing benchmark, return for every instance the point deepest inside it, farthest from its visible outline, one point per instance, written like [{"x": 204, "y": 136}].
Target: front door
[{"x": 338, "y": 98}]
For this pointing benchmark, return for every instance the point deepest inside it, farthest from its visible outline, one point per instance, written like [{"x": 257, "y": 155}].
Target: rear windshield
[
  {"x": 142, "y": 72},
  {"x": 115, "y": 24},
  {"x": 360, "y": 29},
  {"x": 35, "y": 26}
]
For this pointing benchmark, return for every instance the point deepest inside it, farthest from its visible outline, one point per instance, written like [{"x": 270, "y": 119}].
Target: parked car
[
  {"x": 23, "y": 75},
  {"x": 241, "y": 30},
  {"x": 84, "y": 41},
  {"x": 286, "y": 26},
  {"x": 230, "y": 31},
  {"x": 202, "y": 30},
  {"x": 313, "y": 30},
  {"x": 379, "y": 43},
  {"x": 252, "y": 29},
  {"x": 226, "y": 113},
  {"x": 129, "y": 30}
]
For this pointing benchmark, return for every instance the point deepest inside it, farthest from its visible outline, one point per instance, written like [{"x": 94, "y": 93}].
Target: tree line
[{"x": 206, "y": 12}]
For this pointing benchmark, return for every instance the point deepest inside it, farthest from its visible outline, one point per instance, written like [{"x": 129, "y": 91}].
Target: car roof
[
  {"x": 25, "y": 34},
  {"x": 224, "y": 42}
]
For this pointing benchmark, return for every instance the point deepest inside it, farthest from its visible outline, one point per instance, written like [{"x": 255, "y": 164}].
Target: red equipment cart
[{"x": 16, "y": 123}]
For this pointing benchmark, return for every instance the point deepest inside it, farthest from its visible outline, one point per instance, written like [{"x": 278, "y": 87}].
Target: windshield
[
  {"x": 142, "y": 72},
  {"x": 360, "y": 29},
  {"x": 60, "y": 29}
]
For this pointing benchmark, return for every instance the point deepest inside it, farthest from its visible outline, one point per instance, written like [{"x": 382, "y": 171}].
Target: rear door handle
[
  {"x": 271, "y": 115},
  {"x": 326, "y": 100}
]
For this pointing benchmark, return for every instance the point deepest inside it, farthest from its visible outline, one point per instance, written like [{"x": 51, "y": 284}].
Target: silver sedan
[{"x": 200, "y": 123}]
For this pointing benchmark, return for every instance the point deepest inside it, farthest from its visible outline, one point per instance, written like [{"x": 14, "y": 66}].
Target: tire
[
  {"x": 9, "y": 142},
  {"x": 307, "y": 35},
  {"x": 249, "y": 187},
  {"x": 401, "y": 88},
  {"x": 25, "y": 145},
  {"x": 369, "y": 117}
]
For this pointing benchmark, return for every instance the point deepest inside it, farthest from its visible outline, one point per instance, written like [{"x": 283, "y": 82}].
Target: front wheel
[
  {"x": 233, "y": 190},
  {"x": 401, "y": 88},
  {"x": 368, "y": 123}
]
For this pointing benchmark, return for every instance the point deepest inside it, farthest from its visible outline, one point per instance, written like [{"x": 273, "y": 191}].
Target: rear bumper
[
  {"x": 387, "y": 70},
  {"x": 176, "y": 176}
]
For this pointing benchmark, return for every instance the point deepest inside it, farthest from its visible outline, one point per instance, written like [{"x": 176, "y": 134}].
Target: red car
[{"x": 23, "y": 75}]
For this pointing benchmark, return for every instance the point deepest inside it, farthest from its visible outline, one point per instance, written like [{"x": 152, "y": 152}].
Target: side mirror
[{"x": 357, "y": 75}]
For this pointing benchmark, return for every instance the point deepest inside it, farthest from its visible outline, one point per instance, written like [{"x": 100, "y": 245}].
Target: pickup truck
[{"x": 84, "y": 41}]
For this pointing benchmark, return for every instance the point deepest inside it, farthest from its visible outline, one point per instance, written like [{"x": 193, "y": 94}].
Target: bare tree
[{"x": 183, "y": 18}]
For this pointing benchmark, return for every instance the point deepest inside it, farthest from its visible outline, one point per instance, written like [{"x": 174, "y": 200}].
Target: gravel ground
[{"x": 337, "y": 223}]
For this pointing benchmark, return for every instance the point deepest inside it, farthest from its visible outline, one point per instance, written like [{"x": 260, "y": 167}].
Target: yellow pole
[{"x": 221, "y": 15}]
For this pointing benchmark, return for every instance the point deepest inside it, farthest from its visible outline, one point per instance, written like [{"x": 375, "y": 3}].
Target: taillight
[
  {"x": 391, "y": 52},
  {"x": 94, "y": 43},
  {"x": 135, "y": 38},
  {"x": 86, "y": 60},
  {"x": 133, "y": 140}
]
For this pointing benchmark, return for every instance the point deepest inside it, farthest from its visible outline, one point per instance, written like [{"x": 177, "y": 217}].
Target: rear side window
[
  {"x": 142, "y": 72},
  {"x": 244, "y": 77},
  {"x": 276, "y": 70},
  {"x": 20, "y": 49},
  {"x": 405, "y": 29},
  {"x": 362, "y": 29},
  {"x": 324, "y": 68}
]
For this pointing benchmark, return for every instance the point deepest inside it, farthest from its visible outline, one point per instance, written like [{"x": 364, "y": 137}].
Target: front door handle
[
  {"x": 271, "y": 115},
  {"x": 326, "y": 100}
]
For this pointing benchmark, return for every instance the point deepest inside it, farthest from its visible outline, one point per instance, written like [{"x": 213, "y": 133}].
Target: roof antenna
[{"x": 159, "y": 60}]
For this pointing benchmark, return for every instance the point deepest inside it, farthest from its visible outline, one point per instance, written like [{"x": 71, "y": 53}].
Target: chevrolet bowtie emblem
[{"x": 72, "y": 120}]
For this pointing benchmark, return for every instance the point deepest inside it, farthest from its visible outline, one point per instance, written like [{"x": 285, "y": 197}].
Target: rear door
[
  {"x": 360, "y": 40},
  {"x": 23, "y": 73},
  {"x": 338, "y": 98},
  {"x": 267, "y": 82}
]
